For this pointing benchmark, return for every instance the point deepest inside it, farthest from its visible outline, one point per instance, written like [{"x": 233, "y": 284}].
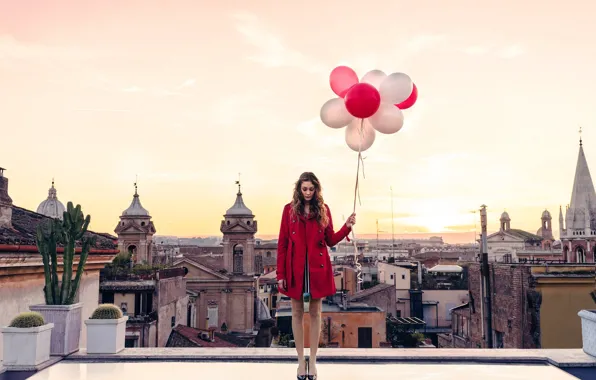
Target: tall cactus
[{"x": 68, "y": 231}]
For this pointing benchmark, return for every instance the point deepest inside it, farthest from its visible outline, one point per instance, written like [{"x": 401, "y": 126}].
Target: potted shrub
[
  {"x": 588, "y": 318},
  {"x": 60, "y": 296},
  {"x": 26, "y": 341},
  {"x": 106, "y": 330}
]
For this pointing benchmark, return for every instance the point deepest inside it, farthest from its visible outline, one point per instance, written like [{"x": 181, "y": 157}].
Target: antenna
[
  {"x": 392, "y": 225},
  {"x": 238, "y": 183},
  {"x": 580, "y": 135}
]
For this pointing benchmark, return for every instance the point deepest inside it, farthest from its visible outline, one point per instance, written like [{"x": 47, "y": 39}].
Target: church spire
[{"x": 583, "y": 195}]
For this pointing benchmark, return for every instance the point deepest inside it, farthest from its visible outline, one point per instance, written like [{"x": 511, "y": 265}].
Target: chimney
[{"x": 5, "y": 202}]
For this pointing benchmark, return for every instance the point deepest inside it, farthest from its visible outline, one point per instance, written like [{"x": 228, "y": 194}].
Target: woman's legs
[
  {"x": 315, "y": 333},
  {"x": 298, "y": 332}
]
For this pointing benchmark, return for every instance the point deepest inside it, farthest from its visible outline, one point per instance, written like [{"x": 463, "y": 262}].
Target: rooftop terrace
[{"x": 334, "y": 364}]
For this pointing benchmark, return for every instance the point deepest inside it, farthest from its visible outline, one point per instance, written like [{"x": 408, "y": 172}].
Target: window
[
  {"x": 173, "y": 321},
  {"x": 403, "y": 276},
  {"x": 391, "y": 277},
  {"x": 130, "y": 342},
  {"x": 398, "y": 313},
  {"x": 499, "y": 339}
]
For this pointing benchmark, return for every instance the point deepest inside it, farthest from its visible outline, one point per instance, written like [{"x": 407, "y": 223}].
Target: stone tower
[
  {"x": 239, "y": 228},
  {"x": 505, "y": 221},
  {"x": 135, "y": 232},
  {"x": 546, "y": 227},
  {"x": 578, "y": 234}
]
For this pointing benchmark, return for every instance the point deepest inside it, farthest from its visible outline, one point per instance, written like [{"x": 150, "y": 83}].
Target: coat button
[
  {"x": 320, "y": 253},
  {"x": 293, "y": 232},
  {"x": 322, "y": 265}
]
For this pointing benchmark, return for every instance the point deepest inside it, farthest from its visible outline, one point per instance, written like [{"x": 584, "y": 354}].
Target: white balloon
[
  {"x": 388, "y": 119},
  {"x": 334, "y": 113},
  {"x": 396, "y": 88},
  {"x": 374, "y": 77},
  {"x": 357, "y": 140}
]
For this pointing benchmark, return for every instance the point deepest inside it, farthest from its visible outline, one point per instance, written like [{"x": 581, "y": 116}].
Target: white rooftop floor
[{"x": 278, "y": 371}]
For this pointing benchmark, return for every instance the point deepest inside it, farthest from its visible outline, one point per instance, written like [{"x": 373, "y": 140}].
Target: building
[
  {"x": 267, "y": 291},
  {"x": 532, "y": 306},
  {"x": 512, "y": 245},
  {"x": 52, "y": 207},
  {"x": 135, "y": 231},
  {"x": 225, "y": 283},
  {"x": 154, "y": 303},
  {"x": 344, "y": 326},
  {"x": 578, "y": 230},
  {"x": 21, "y": 267},
  {"x": 154, "y": 299}
]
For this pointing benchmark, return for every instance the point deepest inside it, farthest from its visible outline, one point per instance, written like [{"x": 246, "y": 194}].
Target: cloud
[
  {"x": 132, "y": 89},
  {"x": 476, "y": 50},
  {"x": 512, "y": 51},
  {"x": 11, "y": 48},
  {"x": 424, "y": 42},
  {"x": 101, "y": 110},
  {"x": 273, "y": 52},
  {"x": 187, "y": 83},
  {"x": 321, "y": 134},
  {"x": 507, "y": 52}
]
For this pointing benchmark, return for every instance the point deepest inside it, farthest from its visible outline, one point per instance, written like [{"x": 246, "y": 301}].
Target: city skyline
[{"x": 95, "y": 95}]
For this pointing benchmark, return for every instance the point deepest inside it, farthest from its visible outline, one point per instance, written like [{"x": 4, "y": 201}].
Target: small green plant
[
  {"x": 27, "y": 320},
  {"x": 107, "y": 311}
]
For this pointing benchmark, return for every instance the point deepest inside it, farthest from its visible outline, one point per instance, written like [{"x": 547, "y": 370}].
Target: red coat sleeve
[
  {"x": 282, "y": 244},
  {"x": 332, "y": 237}
]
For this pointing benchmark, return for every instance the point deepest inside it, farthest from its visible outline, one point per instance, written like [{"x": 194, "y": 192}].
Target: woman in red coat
[{"x": 303, "y": 263}]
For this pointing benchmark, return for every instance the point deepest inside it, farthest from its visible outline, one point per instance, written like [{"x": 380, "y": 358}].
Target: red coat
[{"x": 297, "y": 235}]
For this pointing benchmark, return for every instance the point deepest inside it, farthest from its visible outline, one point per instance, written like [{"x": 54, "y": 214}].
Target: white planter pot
[
  {"x": 67, "y": 320},
  {"x": 588, "y": 331},
  {"x": 26, "y": 347},
  {"x": 106, "y": 336}
]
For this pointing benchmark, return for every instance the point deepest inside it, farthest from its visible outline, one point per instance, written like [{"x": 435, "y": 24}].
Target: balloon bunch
[{"x": 373, "y": 104}]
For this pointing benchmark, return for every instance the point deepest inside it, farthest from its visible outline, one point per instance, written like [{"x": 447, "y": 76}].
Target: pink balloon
[
  {"x": 342, "y": 78},
  {"x": 409, "y": 102},
  {"x": 362, "y": 100}
]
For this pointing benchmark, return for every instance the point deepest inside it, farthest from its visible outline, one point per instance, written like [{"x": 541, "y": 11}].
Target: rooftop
[
  {"x": 24, "y": 223},
  {"x": 334, "y": 364}
]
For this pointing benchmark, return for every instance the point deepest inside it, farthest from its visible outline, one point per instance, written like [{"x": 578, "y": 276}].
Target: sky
[{"x": 184, "y": 95}]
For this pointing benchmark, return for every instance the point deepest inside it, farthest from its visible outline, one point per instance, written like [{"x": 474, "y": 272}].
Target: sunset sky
[{"x": 187, "y": 94}]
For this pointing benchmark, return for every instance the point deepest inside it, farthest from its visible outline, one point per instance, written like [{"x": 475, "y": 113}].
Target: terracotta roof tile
[{"x": 24, "y": 225}]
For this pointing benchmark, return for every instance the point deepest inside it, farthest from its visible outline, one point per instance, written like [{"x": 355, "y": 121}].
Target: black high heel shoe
[
  {"x": 310, "y": 377},
  {"x": 303, "y": 377}
]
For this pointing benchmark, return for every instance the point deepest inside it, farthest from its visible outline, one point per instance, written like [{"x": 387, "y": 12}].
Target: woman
[{"x": 303, "y": 263}]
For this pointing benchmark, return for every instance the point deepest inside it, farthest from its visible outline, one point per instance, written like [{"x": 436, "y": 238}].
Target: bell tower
[
  {"x": 505, "y": 221},
  {"x": 239, "y": 228},
  {"x": 135, "y": 231}
]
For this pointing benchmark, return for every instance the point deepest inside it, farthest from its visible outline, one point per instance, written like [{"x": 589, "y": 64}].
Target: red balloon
[
  {"x": 342, "y": 78},
  {"x": 362, "y": 100},
  {"x": 409, "y": 102}
]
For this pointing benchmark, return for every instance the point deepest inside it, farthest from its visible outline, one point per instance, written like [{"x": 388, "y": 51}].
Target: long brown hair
[{"x": 317, "y": 206}]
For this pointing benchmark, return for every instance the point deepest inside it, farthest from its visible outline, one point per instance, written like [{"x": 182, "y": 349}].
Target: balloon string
[{"x": 357, "y": 195}]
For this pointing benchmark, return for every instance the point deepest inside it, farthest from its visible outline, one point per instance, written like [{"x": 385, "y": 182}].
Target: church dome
[
  {"x": 52, "y": 207},
  {"x": 135, "y": 208},
  {"x": 546, "y": 214},
  {"x": 505, "y": 216},
  {"x": 239, "y": 208}
]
